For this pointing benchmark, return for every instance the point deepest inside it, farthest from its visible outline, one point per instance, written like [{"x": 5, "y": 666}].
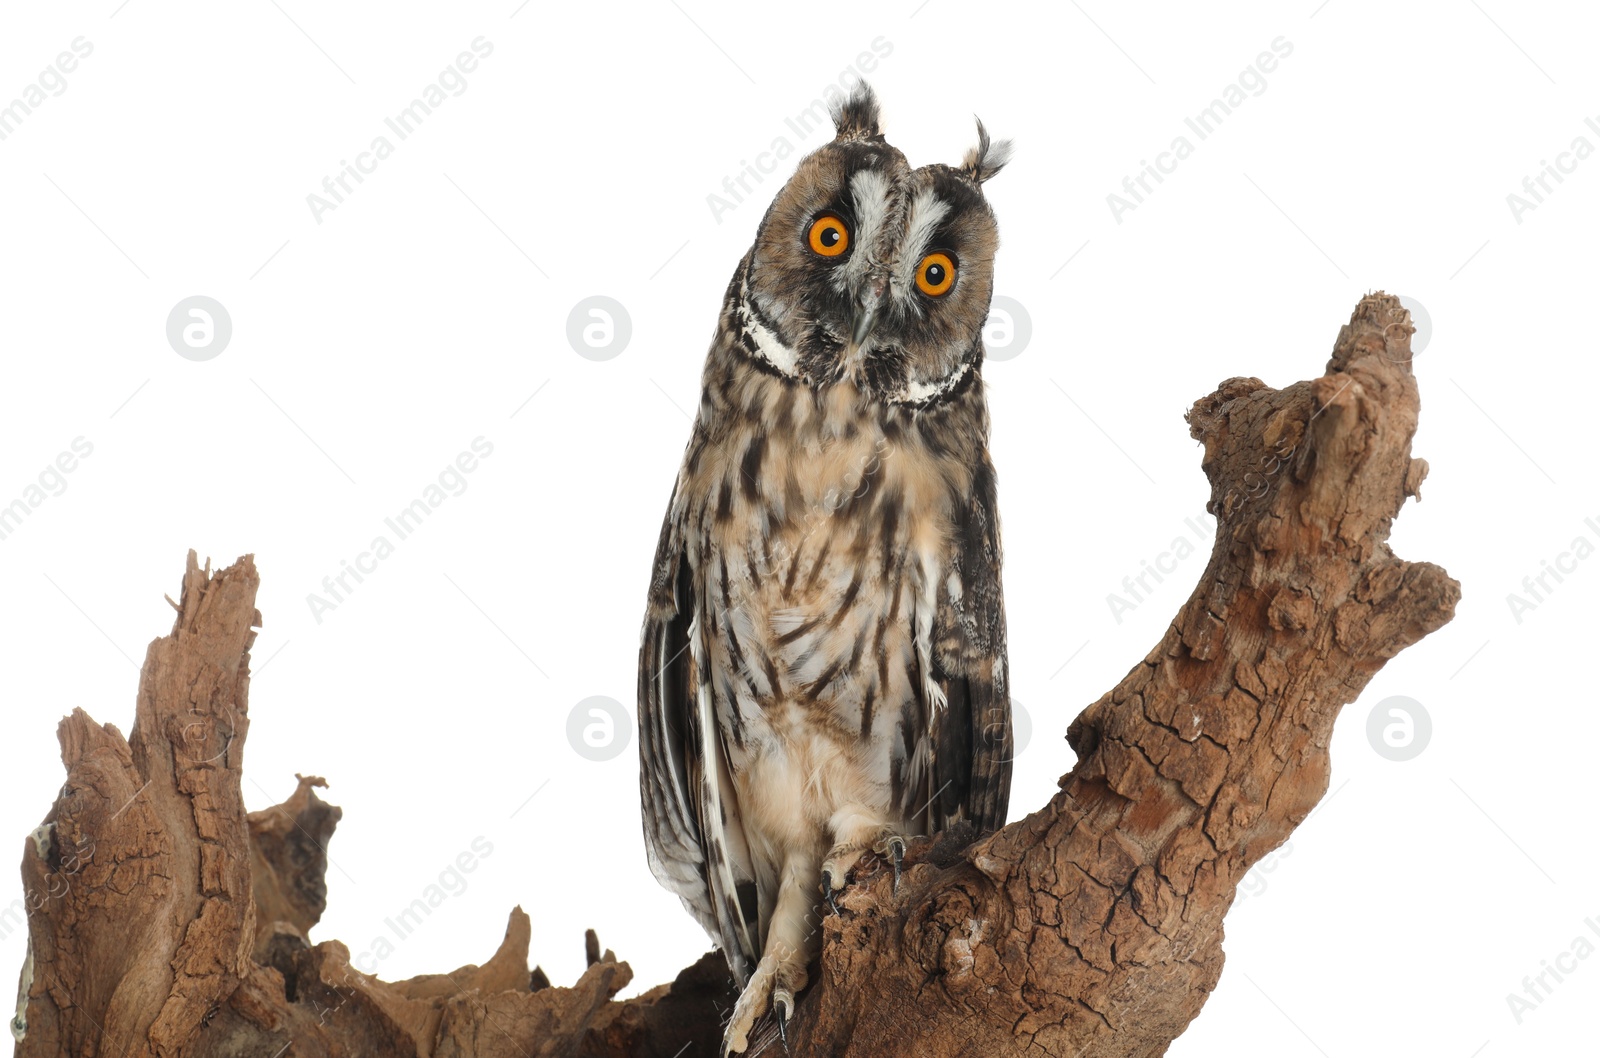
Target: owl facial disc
[{"x": 867, "y": 270}]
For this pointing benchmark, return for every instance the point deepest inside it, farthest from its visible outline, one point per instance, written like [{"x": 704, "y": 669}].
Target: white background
[{"x": 424, "y": 311}]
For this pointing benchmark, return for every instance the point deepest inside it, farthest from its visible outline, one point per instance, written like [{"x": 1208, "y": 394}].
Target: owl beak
[{"x": 869, "y": 303}]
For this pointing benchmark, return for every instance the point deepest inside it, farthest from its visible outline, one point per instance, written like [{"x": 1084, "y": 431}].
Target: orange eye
[
  {"x": 936, "y": 274},
  {"x": 828, "y": 236}
]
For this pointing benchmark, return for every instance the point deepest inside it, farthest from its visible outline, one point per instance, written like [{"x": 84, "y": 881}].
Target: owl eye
[
  {"x": 828, "y": 236},
  {"x": 936, "y": 274}
]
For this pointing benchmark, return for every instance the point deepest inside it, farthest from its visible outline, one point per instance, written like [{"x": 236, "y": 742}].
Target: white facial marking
[
  {"x": 926, "y": 212},
  {"x": 916, "y": 392},
  {"x": 769, "y": 345},
  {"x": 869, "y": 188}
]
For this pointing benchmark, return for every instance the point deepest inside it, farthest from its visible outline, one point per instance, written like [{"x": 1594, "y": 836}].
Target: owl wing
[
  {"x": 971, "y": 735},
  {"x": 692, "y": 832}
]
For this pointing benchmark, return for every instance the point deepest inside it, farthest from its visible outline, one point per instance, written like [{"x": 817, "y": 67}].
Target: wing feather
[
  {"x": 692, "y": 834},
  {"x": 972, "y": 746}
]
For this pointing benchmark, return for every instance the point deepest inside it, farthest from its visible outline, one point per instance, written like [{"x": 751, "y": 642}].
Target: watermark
[
  {"x": 452, "y": 81},
  {"x": 816, "y": 116},
  {"x": 1007, "y": 329},
  {"x": 52, "y": 80},
  {"x": 1538, "y": 187},
  {"x": 1255, "y": 883},
  {"x": 598, "y": 328},
  {"x": 1016, "y": 715},
  {"x": 1537, "y": 587},
  {"x": 198, "y": 328},
  {"x": 64, "y": 865},
  {"x": 13, "y": 917},
  {"x": 451, "y": 882},
  {"x": 1536, "y": 988},
  {"x": 1137, "y": 589},
  {"x": 1252, "y": 81},
  {"x": 1258, "y": 482},
  {"x": 58, "y": 883},
  {"x": 1399, "y": 728},
  {"x": 1021, "y": 728},
  {"x": 599, "y": 728},
  {"x": 1419, "y": 320},
  {"x": 52, "y": 481},
  {"x": 452, "y": 481}
]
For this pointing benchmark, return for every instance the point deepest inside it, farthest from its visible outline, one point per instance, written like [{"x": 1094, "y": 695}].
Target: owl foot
[
  {"x": 894, "y": 846},
  {"x": 836, "y": 873},
  {"x": 783, "y": 1010},
  {"x": 771, "y": 990},
  {"x": 752, "y": 1003},
  {"x": 836, "y": 869},
  {"x": 830, "y": 892}
]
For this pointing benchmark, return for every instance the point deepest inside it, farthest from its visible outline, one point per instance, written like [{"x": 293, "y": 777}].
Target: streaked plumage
[{"x": 823, "y": 662}]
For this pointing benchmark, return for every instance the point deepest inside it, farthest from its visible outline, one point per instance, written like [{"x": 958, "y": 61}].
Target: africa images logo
[{"x": 452, "y": 80}]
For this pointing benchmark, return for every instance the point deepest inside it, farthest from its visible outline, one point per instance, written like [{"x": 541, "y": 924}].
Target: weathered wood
[
  {"x": 164, "y": 921},
  {"x": 146, "y": 922}
]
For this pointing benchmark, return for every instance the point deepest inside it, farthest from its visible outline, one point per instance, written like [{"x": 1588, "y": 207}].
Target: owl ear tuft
[
  {"x": 986, "y": 159},
  {"x": 856, "y": 116}
]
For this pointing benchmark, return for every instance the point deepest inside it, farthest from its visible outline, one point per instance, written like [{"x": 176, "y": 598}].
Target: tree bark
[{"x": 165, "y": 921}]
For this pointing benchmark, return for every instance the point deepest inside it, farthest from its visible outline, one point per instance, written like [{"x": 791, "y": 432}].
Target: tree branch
[{"x": 1092, "y": 927}]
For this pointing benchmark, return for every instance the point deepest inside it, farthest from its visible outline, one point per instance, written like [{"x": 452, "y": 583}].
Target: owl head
[{"x": 865, "y": 269}]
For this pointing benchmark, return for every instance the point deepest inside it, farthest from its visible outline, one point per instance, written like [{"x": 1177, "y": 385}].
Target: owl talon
[
  {"x": 782, "y": 1011},
  {"x": 830, "y": 889},
  {"x": 897, "y": 855}
]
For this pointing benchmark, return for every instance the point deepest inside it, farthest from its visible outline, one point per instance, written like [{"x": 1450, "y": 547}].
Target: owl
[{"x": 822, "y": 673}]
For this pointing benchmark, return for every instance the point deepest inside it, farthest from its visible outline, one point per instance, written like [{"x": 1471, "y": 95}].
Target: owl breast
[{"x": 825, "y": 542}]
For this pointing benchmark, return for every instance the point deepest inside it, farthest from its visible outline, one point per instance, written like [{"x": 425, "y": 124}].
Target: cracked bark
[{"x": 164, "y": 921}]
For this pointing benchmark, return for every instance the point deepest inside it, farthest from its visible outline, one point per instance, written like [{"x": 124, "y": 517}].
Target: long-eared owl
[{"x": 823, "y": 666}]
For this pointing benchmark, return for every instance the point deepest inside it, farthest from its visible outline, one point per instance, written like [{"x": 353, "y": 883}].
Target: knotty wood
[{"x": 164, "y": 921}]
